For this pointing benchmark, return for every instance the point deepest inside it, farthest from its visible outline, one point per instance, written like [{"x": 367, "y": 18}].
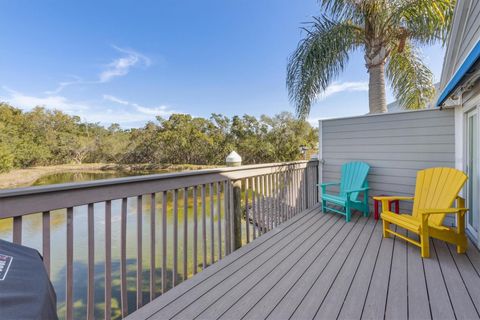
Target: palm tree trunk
[{"x": 376, "y": 89}]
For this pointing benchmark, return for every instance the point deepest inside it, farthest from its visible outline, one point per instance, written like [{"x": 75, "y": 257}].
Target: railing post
[
  {"x": 234, "y": 160},
  {"x": 237, "y": 214}
]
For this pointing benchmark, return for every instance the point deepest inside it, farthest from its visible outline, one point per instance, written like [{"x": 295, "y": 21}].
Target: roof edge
[{"x": 467, "y": 64}]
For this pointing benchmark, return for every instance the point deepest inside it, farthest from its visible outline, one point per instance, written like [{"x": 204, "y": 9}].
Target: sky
[{"x": 127, "y": 61}]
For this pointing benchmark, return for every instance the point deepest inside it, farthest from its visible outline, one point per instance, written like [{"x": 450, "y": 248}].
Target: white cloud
[
  {"x": 115, "y": 99},
  {"x": 58, "y": 102},
  {"x": 156, "y": 111},
  {"x": 64, "y": 84},
  {"x": 117, "y": 68},
  {"x": 151, "y": 111},
  {"x": 338, "y": 87},
  {"x": 121, "y": 66}
]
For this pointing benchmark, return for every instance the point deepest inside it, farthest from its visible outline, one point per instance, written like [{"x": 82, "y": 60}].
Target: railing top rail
[
  {"x": 143, "y": 178},
  {"x": 16, "y": 202}
]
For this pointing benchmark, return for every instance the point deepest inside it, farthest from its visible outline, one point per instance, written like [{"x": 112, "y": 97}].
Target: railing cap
[{"x": 126, "y": 180}]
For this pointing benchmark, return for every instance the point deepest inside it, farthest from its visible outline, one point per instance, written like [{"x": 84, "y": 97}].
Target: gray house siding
[{"x": 396, "y": 145}]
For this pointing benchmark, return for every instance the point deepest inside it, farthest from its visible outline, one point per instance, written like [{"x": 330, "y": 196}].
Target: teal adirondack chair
[{"x": 352, "y": 183}]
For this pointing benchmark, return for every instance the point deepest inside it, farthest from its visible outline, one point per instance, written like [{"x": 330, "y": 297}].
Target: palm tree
[{"x": 387, "y": 31}]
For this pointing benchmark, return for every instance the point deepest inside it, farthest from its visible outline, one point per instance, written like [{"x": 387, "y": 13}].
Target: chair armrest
[
  {"x": 443, "y": 211},
  {"x": 357, "y": 190},
  {"x": 391, "y": 198},
  {"x": 328, "y": 184},
  {"x": 386, "y": 200}
]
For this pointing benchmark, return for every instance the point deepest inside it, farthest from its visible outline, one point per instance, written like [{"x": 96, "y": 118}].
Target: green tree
[{"x": 387, "y": 31}]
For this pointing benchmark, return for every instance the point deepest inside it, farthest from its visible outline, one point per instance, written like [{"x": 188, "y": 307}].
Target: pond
[{"x": 32, "y": 237}]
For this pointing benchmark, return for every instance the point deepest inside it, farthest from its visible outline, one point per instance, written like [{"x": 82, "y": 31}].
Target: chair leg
[
  {"x": 386, "y": 226},
  {"x": 366, "y": 210},
  {"x": 348, "y": 213},
  {"x": 324, "y": 206},
  {"x": 425, "y": 241},
  {"x": 425, "y": 238},
  {"x": 462, "y": 247}
]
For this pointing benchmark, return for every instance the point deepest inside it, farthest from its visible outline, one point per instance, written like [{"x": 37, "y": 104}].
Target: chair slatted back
[
  {"x": 437, "y": 188},
  {"x": 354, "y": 176}
]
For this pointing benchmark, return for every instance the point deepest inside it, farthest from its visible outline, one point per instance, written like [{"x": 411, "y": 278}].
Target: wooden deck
[{"x": 316, "y": 266}]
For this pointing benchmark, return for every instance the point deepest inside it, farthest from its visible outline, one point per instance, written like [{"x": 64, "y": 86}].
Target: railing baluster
[
  {"x": 212, "y": 226},
  {"x": 254, "y": 210},
  {"x": 226, "y": 208},
  {"x": 267, "y": 201},
  {"x": 230, "y": 216},
  {"x": 139, "y": 251},
  {"x": 195, "y": 230},
  {"x": 219, "y": 221},
  {"x": 272, "y": 202},
  {"x": 185, "y": 234},
  {"x": 108, "y": 259},
  {"x": 296, "y": 191},
  {"x": 17, "y": 230},
  {"x": 164, "y": 242},
  {"x": 279, "y": 196},
  {"x": 259, "y": 207},
  {"x": 299, "y": 194},
  {"x": 293, "y": 194},
  {"x": 46, "y": 240},
  {"x": 294, "y": 203},
  {"x": 290, "y": 194},
  {"x": 175, "y": 237},
  {"x": 69, "y": 247},
  {"x": 275, "y": 199},
  {"x": 204, "y": 227},
  {"x": 247, "y": 212},
  {"x": 153, "y": 251},
  {"x": 123, "y": 259},
  {"x": 91, "y": 263},
  {"x": 309, "y": 186},
  {"x": 305, "y": 189},
  {"x": 264, "y": 213},
  {"x": 299, "y": 191},
  {"x": 310, "y": 182},
  {"x": 284, "y": 196}
]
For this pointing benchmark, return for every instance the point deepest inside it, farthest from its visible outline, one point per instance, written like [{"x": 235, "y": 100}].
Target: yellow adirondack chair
[{"x": 436, "y": 190}]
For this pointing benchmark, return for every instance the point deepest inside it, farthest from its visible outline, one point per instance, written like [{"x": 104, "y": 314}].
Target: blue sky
[{"x": 127, "y": 61}]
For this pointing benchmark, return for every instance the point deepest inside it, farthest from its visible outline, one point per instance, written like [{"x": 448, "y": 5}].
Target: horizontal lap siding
[
  {"x": 463, "y": 37},
  {"x": 395, "y": 145}
]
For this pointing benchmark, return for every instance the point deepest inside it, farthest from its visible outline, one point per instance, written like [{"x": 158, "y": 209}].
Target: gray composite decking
[{"x": 316, "y": 266}]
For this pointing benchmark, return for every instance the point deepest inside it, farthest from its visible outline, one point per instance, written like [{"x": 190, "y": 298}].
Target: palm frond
[
  {"x": 318, "y": 59},
  {"x": 410, "y": 78},
  {"x": 341, "y": 9},
  {"x": 427, "y": 21}
]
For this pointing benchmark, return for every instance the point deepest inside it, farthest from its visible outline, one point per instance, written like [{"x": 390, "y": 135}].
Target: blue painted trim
[{"x": 461, "y": 72}]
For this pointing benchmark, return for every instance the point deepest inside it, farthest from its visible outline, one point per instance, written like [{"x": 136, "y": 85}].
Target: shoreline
[{"x": 24, "y": 177}]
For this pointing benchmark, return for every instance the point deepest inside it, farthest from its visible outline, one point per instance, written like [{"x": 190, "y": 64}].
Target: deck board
[
  {"x": 352, "y": 306},
  {"x": 461, "y": 301},
  {"x": 316, "y": 265},
  {"x": 397, "y": 297},
  {"x": 418, "y": 299},
  {"x": 259, "y": 299},
  {"x": 300, "y": 289},
  {"x": 333, "y": 301},
  {"x": 440, "y": 303}
]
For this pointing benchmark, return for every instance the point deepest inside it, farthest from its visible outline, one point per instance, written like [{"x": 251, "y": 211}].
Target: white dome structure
[{"x": 233, "y": 159}]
